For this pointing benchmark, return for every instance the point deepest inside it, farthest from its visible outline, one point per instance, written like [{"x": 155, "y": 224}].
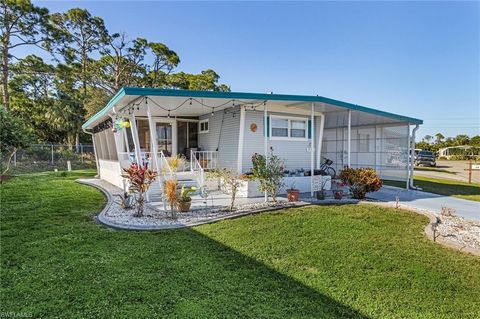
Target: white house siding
[
  {"x": 227, "y": 133},
  {"x": 295, "y": 153}
]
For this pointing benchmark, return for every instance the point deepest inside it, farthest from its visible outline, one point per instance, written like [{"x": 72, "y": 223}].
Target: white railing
[
  {"x": 163, "y": 165},
  {"x": 201, "y": 161},
  {"x": 207, "y": 160}
]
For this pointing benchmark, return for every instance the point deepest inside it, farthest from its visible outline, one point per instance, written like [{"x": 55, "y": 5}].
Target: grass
[
  {"x": 434, "y": 169},
  {"x": 444, "y": 187},
  {"x": 352, "y": 261}
]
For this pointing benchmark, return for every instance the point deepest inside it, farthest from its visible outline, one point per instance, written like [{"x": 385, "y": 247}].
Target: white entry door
[{"x": 166, "y": 136}]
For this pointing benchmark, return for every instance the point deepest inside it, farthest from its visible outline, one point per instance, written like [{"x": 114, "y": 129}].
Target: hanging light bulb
[
  {"x": 190, "y": 101},
  {"x": 168, "y": 115},
  {"x": 212, "y": 111},
  {"x": 233, "y": 103}
]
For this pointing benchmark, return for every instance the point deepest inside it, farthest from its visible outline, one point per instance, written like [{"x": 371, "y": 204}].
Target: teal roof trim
[{"x": 247, "y": 96}]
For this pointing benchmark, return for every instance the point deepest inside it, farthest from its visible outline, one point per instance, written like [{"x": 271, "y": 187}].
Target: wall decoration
[{"x": 253, "y": 127}]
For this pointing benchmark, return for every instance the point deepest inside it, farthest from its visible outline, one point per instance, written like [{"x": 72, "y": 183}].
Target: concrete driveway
[
  {"x": 457, "y": 169},
  {"x": 427, "y": 201}
]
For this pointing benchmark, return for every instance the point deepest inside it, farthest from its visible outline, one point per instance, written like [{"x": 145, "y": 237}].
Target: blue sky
[{"x": 420, "y": 59}]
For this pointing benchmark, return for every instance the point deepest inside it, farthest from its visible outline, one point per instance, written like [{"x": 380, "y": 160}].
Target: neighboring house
[{"x": 224, "y": 129}]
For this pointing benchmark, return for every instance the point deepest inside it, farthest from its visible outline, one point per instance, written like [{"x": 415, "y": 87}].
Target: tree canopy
[{"x": 88, "y": 65}]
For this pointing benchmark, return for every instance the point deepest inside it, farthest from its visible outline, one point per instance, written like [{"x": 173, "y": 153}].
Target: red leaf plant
[{"x": 140, "y": 178}]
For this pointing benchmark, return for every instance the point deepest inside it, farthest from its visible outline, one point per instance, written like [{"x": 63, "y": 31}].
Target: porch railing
[
  {"x": 206, "y": 159},
  {"x": 201, "y": 161},
  {"x": 163, "y": 165}
]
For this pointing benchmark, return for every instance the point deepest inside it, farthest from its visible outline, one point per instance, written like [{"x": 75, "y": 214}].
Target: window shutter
[{"x": 309, "y": 129}]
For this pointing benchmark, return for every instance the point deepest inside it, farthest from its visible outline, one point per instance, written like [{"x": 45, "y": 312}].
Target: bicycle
[{"x": 326, "y": 169}]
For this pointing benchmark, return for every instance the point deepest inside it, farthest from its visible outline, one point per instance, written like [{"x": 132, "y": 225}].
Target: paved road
[
  {"x": 457, "y": 167},
  {"x": 427, "y": 201}
]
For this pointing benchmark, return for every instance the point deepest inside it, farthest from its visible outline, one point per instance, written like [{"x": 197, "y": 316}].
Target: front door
[
  {"x": 187, "y": 133},
  {"x": 165, "y": 138}
]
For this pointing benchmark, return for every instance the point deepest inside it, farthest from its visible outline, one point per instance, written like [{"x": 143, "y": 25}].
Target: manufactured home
[{"x": 224, "y": 129}]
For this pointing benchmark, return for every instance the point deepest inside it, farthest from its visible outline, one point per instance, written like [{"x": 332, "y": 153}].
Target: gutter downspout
[
  {"x": 94, "y": 151},
  {"x": 412, "y": 155}
]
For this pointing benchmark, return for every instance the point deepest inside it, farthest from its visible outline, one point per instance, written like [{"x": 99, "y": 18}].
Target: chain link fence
[{"x": 50, "y": 157}]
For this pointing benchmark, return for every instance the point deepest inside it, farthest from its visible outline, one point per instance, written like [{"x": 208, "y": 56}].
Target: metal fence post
[
  {"x": 15, "y": 158},
  {"x": 52, "y": 152}
]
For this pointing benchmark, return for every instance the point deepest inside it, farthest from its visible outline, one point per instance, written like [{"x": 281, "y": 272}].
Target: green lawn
[
  {"x": 352, "y": 261},
  {"x": 444, "y": 187},
  {"x": 434, "y": 169}
]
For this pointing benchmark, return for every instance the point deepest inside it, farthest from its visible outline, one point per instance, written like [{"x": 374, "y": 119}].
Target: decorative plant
[
  {"x": 293, "y": 193},
  {"x": 126, "y": 200},
  {"x": 175, "y": 162},
  {"x": 230, "y": 182},
  {"x": 361, "y": 181},
  {"x": 269, "y": 175},
  {"x": 171, "y": 194},
  {"x": 185, "y": 201},
  {"x": 140, "y": 178},
  {"x": 184, "y": 193}
]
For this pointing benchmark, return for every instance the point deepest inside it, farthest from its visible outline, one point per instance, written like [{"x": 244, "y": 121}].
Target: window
[
  {"x": 288, "y": 128},
  {"x": 203, "y": 126}
]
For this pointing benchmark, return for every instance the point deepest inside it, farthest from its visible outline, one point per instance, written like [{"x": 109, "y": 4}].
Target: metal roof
[{"x": 151, "y": 92}]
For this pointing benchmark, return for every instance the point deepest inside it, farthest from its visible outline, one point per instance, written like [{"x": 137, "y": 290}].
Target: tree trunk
[
  {"x": 77, "y": 142},
  {"x": 5, "y": 71}
]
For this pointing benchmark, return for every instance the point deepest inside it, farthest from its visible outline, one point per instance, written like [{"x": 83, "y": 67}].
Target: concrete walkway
[{"x": 427, "y": 201}]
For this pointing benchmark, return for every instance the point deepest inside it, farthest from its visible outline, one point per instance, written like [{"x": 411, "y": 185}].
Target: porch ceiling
[{"x": 187, "y": 103}]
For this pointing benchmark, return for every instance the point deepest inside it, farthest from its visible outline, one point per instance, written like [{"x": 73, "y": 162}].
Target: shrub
[
  {"x": 230, "y": 182},
  {"x": 269, "y": 175},
  {"x": 361, "y": 181},
  {"x": 140, "y": 179},
  {"x": 171, "y": 194}
]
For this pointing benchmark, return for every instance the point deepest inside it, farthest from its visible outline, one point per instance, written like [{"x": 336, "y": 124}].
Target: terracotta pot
[
  {"x": 184, "y": 206},
  {"x": 338, "y": 194},
  {"x": 292, "y": 195}
]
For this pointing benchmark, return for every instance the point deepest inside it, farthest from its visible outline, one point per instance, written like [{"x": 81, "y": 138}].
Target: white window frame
[
  {"x": 289, "y": 128},
  {"x": 200, "y": 126}
]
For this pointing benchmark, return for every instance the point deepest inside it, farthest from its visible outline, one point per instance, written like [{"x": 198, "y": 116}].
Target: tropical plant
[
  {"x": 13, "y": 135},
  {"x": 185, "y": 193},
  {"x": 269, "y": 174},
  {"x": 230, "y": 182},
  {"x": 140, "y": 178},
  {"x": 361, "y": 181},
  {"x": 170, "y": 189}
]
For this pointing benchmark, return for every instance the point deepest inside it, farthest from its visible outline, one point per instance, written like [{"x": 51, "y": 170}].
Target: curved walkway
[{"x": 418, "y": 200}]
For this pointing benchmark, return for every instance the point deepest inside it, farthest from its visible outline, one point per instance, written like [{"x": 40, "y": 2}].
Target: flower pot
[
  {"x": 338, "y": 194},
  {"x": 292, "y": 195},
  {"x": 184, "y": 206},
  {"x": 321, "y": 195}
]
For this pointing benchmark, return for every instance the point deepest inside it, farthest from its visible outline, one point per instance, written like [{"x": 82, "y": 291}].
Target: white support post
[
  {"x": 265, "y": 140},
  {"x": 312, "y": 148},
  {"x": 408, "y": 159},
  {"x": 240, "y": 141},
  {"x": 136, "y": 141},
  {"x": 412, "y": 155},
  {"x": 153, "y": 137},
  {"x": 349, "y": 137},
  {"x": 125, "y": 137},
  {"x": 320, "y": 140}
]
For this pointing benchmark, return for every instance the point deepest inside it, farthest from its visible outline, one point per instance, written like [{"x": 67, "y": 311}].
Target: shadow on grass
[{"x": 57, "y": 263}]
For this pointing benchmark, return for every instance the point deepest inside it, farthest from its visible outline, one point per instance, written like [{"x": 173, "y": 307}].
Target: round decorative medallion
[{"x": 253, "y": 127}]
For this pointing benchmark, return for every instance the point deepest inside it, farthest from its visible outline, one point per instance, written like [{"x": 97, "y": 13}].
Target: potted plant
[
  {"x": 185, "y": 201},
  {"x": 293, "y": 193},
  {"x": 321, "y": 193},
  {"x": 269, "y": 173},
  {"x": 337, "y": 190}
]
